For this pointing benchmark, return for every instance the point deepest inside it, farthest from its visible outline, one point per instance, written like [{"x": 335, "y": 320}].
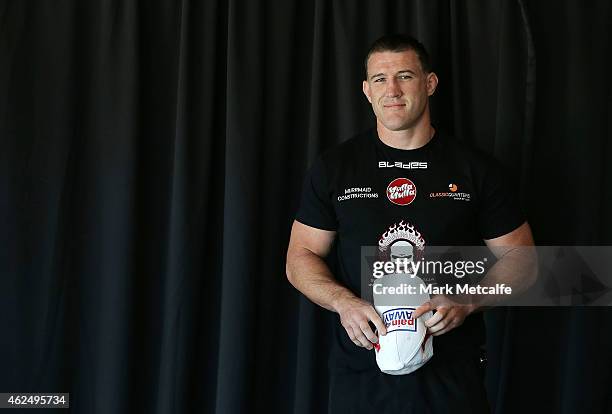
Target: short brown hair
[{"x": 399, "y": 43}]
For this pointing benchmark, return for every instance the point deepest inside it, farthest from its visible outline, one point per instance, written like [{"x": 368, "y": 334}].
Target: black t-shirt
[{"x": 443, "y": 193}]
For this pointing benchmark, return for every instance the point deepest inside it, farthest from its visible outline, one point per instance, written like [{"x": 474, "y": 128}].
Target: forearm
[
  {"x": 309, "y": 274},
  {"x": 516, "y": 268}
]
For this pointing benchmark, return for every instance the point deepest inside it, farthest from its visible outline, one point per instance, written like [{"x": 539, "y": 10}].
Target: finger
[
  {"x": 351, "y": 335},
  {"x": 438, "y": 327},
  {"x": 442, "y": 331},
  {"x": 447, "y": 321},
  {"x": 377, "y": 321},
  {"x": 424, "y": 308},
  {"x": 361, "y": 337},
  {"x": 449, "y": 326},
  {"x": 436, "y": 318},
  {"x": 367, "y": 331},
  {"x": 452, "y": 321}
]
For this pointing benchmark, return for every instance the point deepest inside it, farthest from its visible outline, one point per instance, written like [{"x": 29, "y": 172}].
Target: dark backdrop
[{"x": 151, "y": 160}]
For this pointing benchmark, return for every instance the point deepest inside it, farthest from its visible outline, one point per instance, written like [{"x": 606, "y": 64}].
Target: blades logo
[{"x": 401, "y": 191}]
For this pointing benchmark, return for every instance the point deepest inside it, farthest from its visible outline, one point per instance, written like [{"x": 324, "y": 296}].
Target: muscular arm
[
  {"x": 309, "y": 274},
  {"x": 516, "y": 267}
]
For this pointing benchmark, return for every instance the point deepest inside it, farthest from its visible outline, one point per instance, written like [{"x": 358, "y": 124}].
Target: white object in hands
[{"x": 407, "y": 346}]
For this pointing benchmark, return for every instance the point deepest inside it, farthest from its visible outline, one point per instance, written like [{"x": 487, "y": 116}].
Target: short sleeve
[
  {"x": 499, "y": 209},
  {"x": 316, "y": 208}
]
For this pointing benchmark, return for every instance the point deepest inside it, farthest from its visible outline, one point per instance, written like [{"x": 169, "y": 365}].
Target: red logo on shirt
[{"x": 401, "y": 191}]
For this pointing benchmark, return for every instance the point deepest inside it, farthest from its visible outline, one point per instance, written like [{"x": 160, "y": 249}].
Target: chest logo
[
  {"x": 414, "y": 165},
  {"x": 401, "y": 191},
  {"x": 453, "y": 194},
  {"x": 400, "y": 241}
]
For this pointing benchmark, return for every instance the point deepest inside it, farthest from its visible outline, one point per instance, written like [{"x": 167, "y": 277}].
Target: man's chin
[{"x": 395, "y": 126}]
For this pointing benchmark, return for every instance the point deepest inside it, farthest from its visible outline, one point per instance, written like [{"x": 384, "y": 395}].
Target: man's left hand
[{"x": 448, "y": 315}]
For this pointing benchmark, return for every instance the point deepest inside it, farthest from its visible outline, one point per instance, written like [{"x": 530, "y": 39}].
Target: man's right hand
[
  {"x": 308, "y": 272},
  {"x": 355, "y": 313}
]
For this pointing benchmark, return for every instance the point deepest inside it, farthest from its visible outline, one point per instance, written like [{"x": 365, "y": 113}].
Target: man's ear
[
  {"x": 366, "y": 90},
  {"x": 432, "y": 83}
]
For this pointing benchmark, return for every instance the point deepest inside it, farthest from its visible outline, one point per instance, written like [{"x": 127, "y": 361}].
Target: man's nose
[{"x": 393, "y": 88}]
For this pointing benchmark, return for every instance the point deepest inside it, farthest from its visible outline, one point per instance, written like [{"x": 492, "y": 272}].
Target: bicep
[
  {"x": 309, "y": 238},
  {"x": 521, "y": 236}
]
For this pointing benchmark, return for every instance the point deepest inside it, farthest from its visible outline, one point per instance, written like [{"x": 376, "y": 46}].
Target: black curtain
[{"x": 151, "y": 160}]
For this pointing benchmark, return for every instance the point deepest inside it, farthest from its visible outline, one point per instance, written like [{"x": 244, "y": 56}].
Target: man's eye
[
  {"x": 378, "y": 80},
  {"x": 404, "y": 77}
]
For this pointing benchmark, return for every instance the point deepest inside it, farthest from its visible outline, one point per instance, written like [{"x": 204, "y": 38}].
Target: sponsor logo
[
  {"x": 401, "y": 191},
  {"x": 399, "y": 319},
  {"x": 357, "y": 192},
  {"x": 401, "y": 241},
  {"x": 414, "y": 165},
  {"x": 453, "y": 193}
]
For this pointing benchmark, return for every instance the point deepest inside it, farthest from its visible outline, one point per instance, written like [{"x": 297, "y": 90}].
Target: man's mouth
[{"x": 397, "y": 105}]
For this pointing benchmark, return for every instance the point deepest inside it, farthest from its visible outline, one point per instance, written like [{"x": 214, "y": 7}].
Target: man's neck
[{"x": 406, "y": 139}]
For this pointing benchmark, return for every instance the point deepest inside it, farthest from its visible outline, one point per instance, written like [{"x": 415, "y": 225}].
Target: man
[{"x": 351, "y": 197}]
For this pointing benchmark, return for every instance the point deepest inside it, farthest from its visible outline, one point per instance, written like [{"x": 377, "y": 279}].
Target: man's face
[{"x": 398, "y": 88}]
